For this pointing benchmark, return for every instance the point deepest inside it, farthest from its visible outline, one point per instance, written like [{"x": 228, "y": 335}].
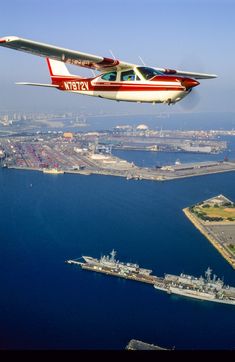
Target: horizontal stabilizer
[{"x": 38, "y": 84}]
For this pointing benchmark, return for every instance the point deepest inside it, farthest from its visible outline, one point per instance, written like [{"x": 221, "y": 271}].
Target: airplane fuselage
[{"x": 161, "y": 89}]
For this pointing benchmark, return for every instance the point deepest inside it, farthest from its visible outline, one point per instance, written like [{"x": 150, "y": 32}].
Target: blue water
[
  {"x": 47, "y": 304},
  {"x": 152, "y": 159}
]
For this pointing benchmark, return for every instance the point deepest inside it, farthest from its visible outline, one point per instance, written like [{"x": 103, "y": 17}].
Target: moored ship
[
  {"x": 207, "y": 288},
  {"x": 53, "y": 171},
  {"x": 109, "y": 265}
]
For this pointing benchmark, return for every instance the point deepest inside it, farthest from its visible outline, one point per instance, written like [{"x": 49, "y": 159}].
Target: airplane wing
[
  {"x": 64, "y": 55},
  {"x": 75, "y": 57},
  {"x": 186, "y": 74}
]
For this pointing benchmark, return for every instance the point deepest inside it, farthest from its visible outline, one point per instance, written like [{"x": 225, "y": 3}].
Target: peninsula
[{"x": 215, "y": 219}]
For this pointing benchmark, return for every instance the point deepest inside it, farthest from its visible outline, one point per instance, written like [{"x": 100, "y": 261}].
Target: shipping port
[
  {"x": 209, "y": 288},
  {"x": 83, "y": 154}
]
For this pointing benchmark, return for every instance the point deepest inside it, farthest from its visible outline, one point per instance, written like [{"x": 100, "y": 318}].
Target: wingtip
[{"x": 7, "y": 39}]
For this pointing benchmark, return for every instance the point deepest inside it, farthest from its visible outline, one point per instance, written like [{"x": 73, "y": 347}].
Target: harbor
[
  {"x": 208, "y": 288},
  {"x": 53, "y": 154},
  {"x": 94, "y": 216}
]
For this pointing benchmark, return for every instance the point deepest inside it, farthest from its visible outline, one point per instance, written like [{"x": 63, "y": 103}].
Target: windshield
[{"x": 149, "y": 73}]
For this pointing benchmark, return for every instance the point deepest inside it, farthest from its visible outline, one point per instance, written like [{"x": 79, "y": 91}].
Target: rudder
[{"x": 57, "y": 68}]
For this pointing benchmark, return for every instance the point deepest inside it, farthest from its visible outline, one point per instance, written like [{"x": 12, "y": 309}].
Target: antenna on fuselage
[
  {"x": 93, "y": 72},
  {"x": 110, "y": 51},
  {"x": 142, "y": 60}
]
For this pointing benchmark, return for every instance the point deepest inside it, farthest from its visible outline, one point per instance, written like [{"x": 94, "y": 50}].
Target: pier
[{"x": 150, "y": 279}]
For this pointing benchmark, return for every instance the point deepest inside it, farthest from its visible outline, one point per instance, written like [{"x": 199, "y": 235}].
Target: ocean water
[
  {"x": 152, "y": 159},
  {"x": 47, "y": 304}
]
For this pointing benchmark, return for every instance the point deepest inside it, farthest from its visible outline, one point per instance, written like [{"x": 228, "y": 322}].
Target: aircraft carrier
[
  {"x": 204, "y": 288},
  {"x": 109, "y": 265}
]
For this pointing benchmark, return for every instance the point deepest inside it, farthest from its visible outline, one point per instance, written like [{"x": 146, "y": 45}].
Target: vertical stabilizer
[{"x": 57, "y": 68}]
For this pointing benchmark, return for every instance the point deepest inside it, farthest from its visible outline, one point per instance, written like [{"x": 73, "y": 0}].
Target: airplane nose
[{"x": 189, "y": 83}]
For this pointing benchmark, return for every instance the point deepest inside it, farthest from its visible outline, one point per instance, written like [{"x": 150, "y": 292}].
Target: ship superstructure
[
  {"x": 204, "y": 288},
  {"x": 109, "y": 265}
]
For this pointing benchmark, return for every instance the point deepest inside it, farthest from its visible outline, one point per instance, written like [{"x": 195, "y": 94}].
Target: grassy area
[
  {"x": 213, "y": 213},
  {"x": 221, "y": 212}
]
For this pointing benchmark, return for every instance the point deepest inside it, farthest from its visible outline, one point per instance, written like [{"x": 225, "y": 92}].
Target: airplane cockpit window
[
  {"x": 129, "y": 75},
  {"x": 111, "y": 76},
  {"x": 149, "y": 73}
]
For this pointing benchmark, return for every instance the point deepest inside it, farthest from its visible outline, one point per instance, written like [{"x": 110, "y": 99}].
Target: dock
[{"x": 149, "y": 279}]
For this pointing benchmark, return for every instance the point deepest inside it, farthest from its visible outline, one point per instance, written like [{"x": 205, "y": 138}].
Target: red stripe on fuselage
[
  {"x": 86, "y": 84},
  {"x": 137, "y": 89}
]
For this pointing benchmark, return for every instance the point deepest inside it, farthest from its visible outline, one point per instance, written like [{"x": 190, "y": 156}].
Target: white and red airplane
[{"x": 119, "y": 81}]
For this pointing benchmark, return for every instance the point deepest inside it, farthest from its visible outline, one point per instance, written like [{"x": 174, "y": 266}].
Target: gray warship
[
  {"x": 110, "y": 262},
  {"x": 208, "y": 288},
  {"x": 111, "y": 266}
]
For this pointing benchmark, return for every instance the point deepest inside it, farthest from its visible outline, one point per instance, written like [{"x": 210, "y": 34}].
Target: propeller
[{"x": 190, "y": 101}]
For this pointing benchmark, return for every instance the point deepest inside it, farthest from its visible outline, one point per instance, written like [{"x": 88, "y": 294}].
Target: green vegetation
[
  {"x": 232, "y": 248},
  {"x": 214, "y": 212}
]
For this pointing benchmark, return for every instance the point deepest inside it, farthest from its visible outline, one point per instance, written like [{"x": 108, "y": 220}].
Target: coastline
[
  {"x": 199, "y": 225},
  {"x": 124, "y": 173}
]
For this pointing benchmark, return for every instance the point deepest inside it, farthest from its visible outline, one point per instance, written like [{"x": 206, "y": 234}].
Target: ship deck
[{"x": 149, "y": 279}]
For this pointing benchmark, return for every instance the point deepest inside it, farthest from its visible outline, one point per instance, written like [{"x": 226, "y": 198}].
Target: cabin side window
[
  {"x": 111, "y": 76},
  {"x": 128, "y": 76}
]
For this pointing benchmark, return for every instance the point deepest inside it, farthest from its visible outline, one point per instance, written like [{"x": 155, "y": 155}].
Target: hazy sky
[{"x": 189, "y": 35}]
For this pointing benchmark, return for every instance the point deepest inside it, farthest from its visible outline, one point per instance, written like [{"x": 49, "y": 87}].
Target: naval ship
[
  {"x": 111, "y": 263},
  {"x": 204, "y": 288},
  {"x": 111, "y": 266}
]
